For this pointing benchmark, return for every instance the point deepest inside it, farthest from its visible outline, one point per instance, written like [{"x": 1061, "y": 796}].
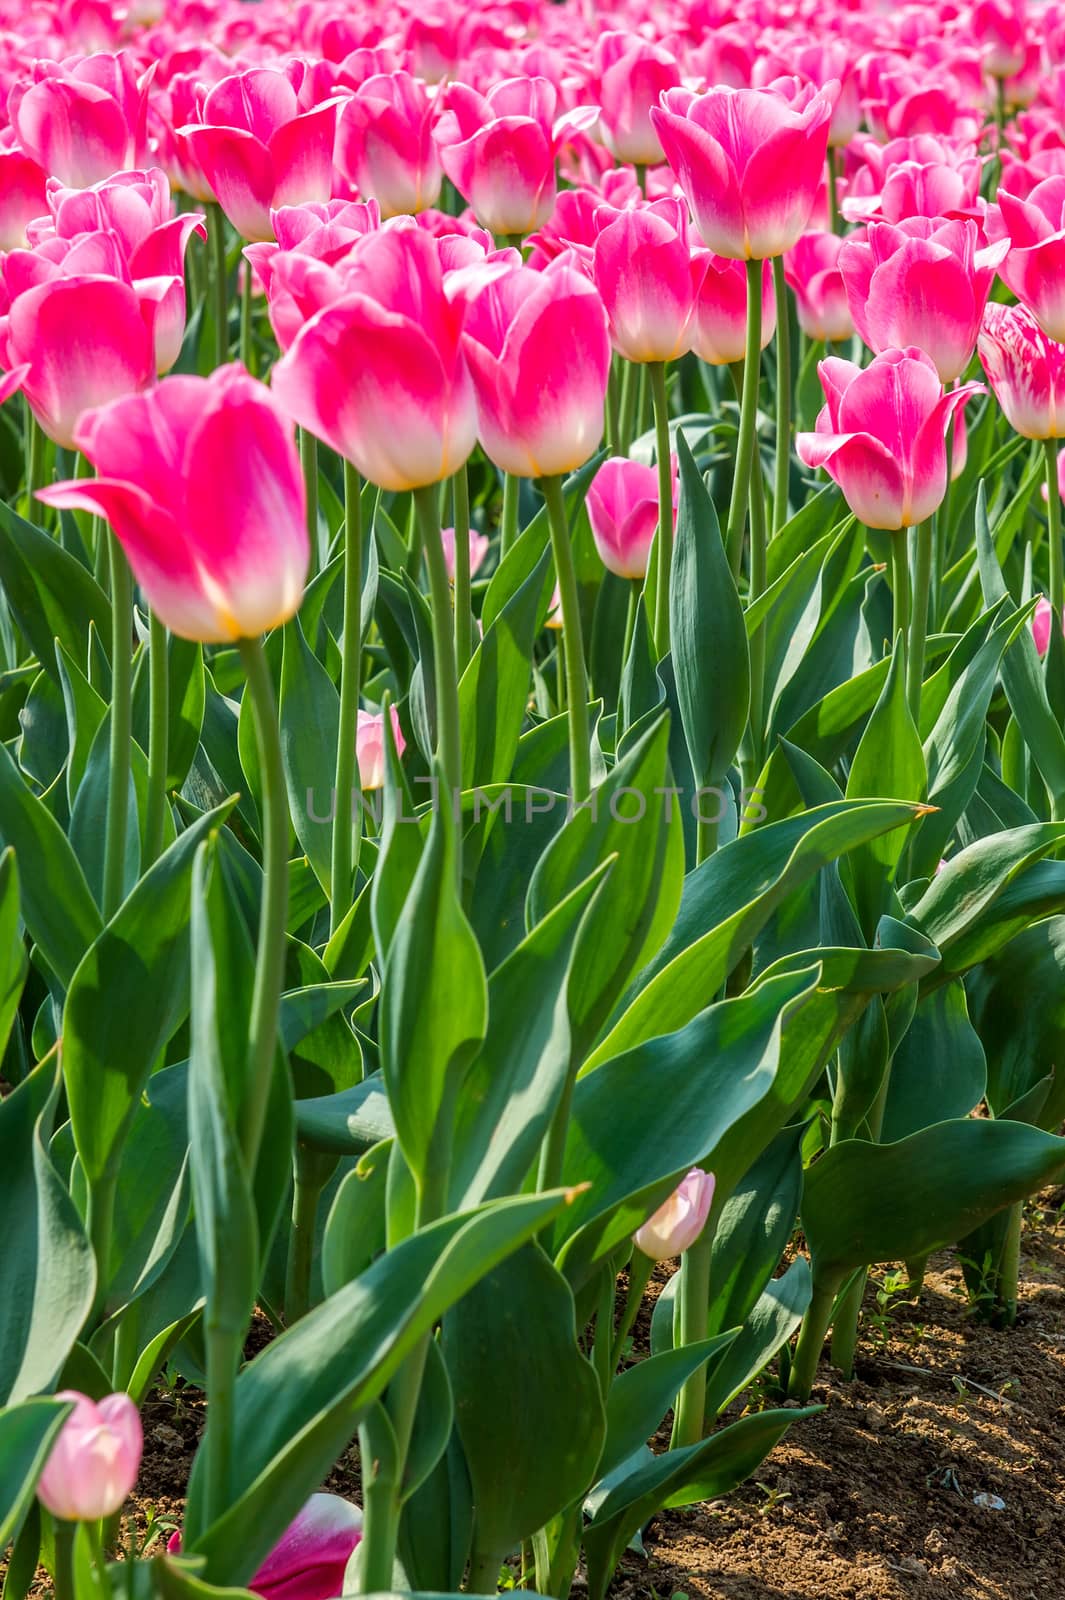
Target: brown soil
[{"x": 873, "y": 1499}]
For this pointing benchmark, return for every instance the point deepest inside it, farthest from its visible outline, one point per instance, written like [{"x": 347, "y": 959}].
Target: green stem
[
  {"x": 640, "y": 1269},
  {"x": 580, "y": 758},
  {"x": 603, "y": 1345},
  {"x": 460, "y": 489},
  {"x": 347, "y": 816},
  {"x": 34, "y": 458},
  {"x": 270, "y": 955},
  {"x": 628, "y": 406},
  {"x": 900, "y": 589},
  {"x": 310, "y": 1174},
  {"x": 664, "y": 543},
  {"x": 635, "y": 595},
  {"x": 246, "y": 303},
  {"x": 509, "y": 522},
  {"x": 845, "y": 1326},
  {"x": 100, "y": 1220},
  {"x": 309, "y": 463},
  {"x": 448, "y": 729},
  {"x": 833, "y": 190},
  {"x": 64, "y": 1558},
  {"x": 613, "y": 408},
  {"x": 121, "y": 745},
  {"x": 922, "y": 568},
  {"x": 811, "y": 1341},
  {"x": 689, "y": 1420},
  {"x": 759, "y": 557},
  {"x": 223, "y": 1346},
  {"x": 783, "y": 456},
  {"x": 158, "y": 738},
  {"x": 745, "y": 446},
  {"x": 484, "y": 1572},
  {"x": 1057, "y": 585},
  {"x": 217, "y": 229}
]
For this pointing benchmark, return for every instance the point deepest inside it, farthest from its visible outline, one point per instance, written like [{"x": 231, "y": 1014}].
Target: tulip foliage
[{"x": 532, "y": 685}]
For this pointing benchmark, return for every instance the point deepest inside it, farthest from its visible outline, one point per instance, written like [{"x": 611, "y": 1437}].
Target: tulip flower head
[
  {"x": 1035, "y": 267},
  {"x": 719, "y": 313},
  {"x": 679, "y": 1221},
  {"x": 200, "y": 480},
  {"x": 370, "y": 746},
  {"x": 882, "y": 435},
  {"x": 623, "y": 512},
  {"x": 478, "y": 544},
  {"x": 1042, "y": 624},
  {"x": 812, "y": 270},
  {"x": 309, "y": 1560},
  {"x": 22, "y": 197},
  {"x": 84, "y": 121},
  {"x": 1026, "y": 371},
  {"x": 642, "y": 267},
  {"x": 539, "y": 355},
  {"x": 94, "y": 1461},
  {"x": 633, "y": 74},
  {"x": 385, "y": 143},
  {"x": 379, "y": 374},
  {"x": 749, "y": 161}
]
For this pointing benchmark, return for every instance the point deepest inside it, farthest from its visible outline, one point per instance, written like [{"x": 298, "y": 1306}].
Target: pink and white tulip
[
  {"x": 370, "y": 746},
  {"x": 385, "y": 144},
  {"x": 679, "y": 1221},
  {"x": 812, "y": 270},
  {"x": 642, "y": 267},
  {"x": 719, "y": 314},
  {"x": 622, "y": 508},
  {"x": 1026, "y": 371},
  {"x": 93, "y": 1464}
]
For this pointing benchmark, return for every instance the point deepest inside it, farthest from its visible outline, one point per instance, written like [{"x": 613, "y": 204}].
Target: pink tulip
[
  {"x": 750, "y": 161},
  {"x": 1035, "y": 266},
  {"x": 719, "y": 316},
  {"x": 305, "y": 270},
  {"x": 200, "y": 480},
  {"x": 93, "y": 1464},
  {"x": 922, "y": 283},
  {"x": 22, "y": 197},
  {"x": 642, "y": 267},
  {"x": 1026, "y": 371},
  {"x": 539, "y": 354},
  {"x": 1000, "y": 28},
  {"x": 478, "y": 545},
  {"x": 370, "y": 746},
  {"x": 258, "y": 150},
  {"x": 379, "y": 374},
  {"x": 499, "y": 150},
  {"x": 1042, "y": 619},
  {"x": 84, "y": 121},
  {"x": 633, "y": 74},
  {"x": 679, "y": 1221},
  {"x": 385, "y": 144},
  {"x": 924, "y": 176},
  {"x": 74, "y": 343},
  {"x": 623, "y": 513},
  {"x": 882, "y": 435},
  {"x": 309, "y": 1560},
  {"x": 812, "y": 269}
]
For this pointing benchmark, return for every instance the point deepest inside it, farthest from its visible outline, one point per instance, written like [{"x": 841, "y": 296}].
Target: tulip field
[{"x": 532, "y": 772}]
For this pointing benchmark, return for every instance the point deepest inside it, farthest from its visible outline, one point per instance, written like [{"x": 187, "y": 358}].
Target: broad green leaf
[
  {"x": 494, "y": 690},
  {"x": 27, "y": 1432},
  {"x": 939, "y": 1070},
  {"x": 1017, "y": 1004},
  {"x": 518, "y": 1373},
  {"x": 309, "y": 712},
  {"x": 768, "y": 1325},
  {"x": 710, "y": 654},
  {"x": 51, "y": 595},
  {"x": 753, "y": 1228},
  {"x": 14, "y": 963},
  {"x": 641, "y": 1395}
]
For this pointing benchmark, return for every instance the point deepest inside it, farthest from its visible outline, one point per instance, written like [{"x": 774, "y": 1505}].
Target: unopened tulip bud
[
  {"x": 370, "y": 746},
  {"x": 680, "y": 1220},
  {"x": 478, "y": 550},
  {"x": 94, "y": 1462}
]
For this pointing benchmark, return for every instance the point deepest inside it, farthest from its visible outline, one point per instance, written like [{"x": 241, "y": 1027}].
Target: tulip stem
[
  {"x": 664, "y": 543},
  {"x": 833, "y": 190},
  {"x": 448, "y": 729},
  {"x": 246, "y": 289},
  {"x": 343, "y": 859},
  {"x": 815, "y": 1326},
  {"x": 121, "y": 733},
  {"x": 640, "y": 1269},
  {"x": 64, "y": 1558},
  {"x": 627, "y": 417},
  {"x": 270, "y": 954},
  {"x": 460, "y": 489},
  {"x": 580, "y": 761},
  {"x": 900, "y": 590},
  {"x": 689, "y": 1418},
  {"x": 218, "y": 274},
  {"x": 509, "y": 522},
  {"x": 311, "y": 1172},
  {"x": 34, "y": 458},
  {"x": 309, "y": 463},
  {"x": 1057, "y": 585},
  {"x": 745, "y": 445},
  {"x": 922, "y": 568},
  {"x": 158, "y": 738},
  {"x": 783, "y": 456}
]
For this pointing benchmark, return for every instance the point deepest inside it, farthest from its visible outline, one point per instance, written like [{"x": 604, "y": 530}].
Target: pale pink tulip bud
[
  {"x": 370, "y": 746},
  {"x": 811, "y": 268},
  {"x": 623, "y": 512},
  {"x": 478, "y": 550},
  {"x": 94, "y": 1462},
  {"x": 1042, "y": 619},
  {"x": 680, "y": 1220}
]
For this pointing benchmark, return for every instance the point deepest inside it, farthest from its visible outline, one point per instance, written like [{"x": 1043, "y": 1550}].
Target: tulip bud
[
  {"x": 623, "y": 511},
  {"x": 478, "y": 550},
  {"x": 680, "y": 1220},
  {"x": 370, "y": 746},
  {"x": 1042, "y": 619},
  {"x": 94, "y": 1461}
]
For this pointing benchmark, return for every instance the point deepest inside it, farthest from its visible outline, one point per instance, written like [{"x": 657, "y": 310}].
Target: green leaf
[
  {"x": 47, "y": 1271},
  {"x": 1017, "y": 1004},
  {"x": 59, "y": 910},
  {"x": 27, "y": 1433},
  {"x": 768, "y": 1325},
  {"x": 51, "y": 595},
  {"x": 355, "y": 1227},
  {"x": 298, "y": 1403},
  {"x": 753, "y": 1227},
  {"x": 864, "y": 1203},
  {"x": 939, "y": 1070},
  {"x": 434, "y": 1000},
  {"x": 710, "y": 653},
  {"x": 127, "y": 998},
  {"x": 494, "y": 690},
  {"x": 309, "y": 711},
  {"x": 727, "y": 901},
  {"x": 704, "y": 1471},
  {"x": 517, "y": 1373},
  {"x": 14, "y": 963},
  {"x": 641, "y": 1395}
]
